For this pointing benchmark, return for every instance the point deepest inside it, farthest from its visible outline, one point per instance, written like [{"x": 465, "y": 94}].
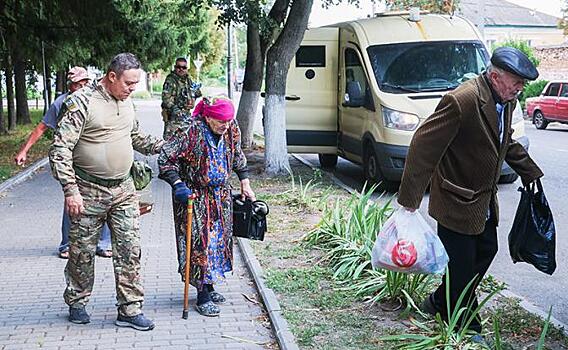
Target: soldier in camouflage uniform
[
  {"x": 91, "y": 156},
  {"x": 178, "y": 97}
]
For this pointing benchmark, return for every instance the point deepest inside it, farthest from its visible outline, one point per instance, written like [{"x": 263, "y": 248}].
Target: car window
[
  {"x": 564, "y": 91},
  {"x": 553, "y": 89}
]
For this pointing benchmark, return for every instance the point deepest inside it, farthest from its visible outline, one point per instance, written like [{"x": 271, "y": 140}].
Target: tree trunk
[
  {"x": 277, "y": 64},
  {"x": 46, "y": 88},
  {"x": 3, "y": 129},
  {"x": 48, "y": 83},
  {"x": 59, "y": 83},
  {"x": 22, "y": 110},
  {"x": 252, "y": 83},
  {"x": 10, "y": 94}
]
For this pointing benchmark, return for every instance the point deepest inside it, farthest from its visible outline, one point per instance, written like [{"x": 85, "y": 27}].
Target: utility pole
[
  {"x": 229, "y": 64},
  {"x": 45, "y": 102},
  {"x": 481, "y": 23}
]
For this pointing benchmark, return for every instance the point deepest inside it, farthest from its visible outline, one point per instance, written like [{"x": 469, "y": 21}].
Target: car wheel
[
  {"x": 508, "y": 179},
  {"x": 327, "y": 161},
  {"x": 539, "y": 120},
  {"x": 373, "y": 175}
]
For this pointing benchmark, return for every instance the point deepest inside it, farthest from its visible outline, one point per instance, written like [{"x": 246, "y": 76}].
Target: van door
[
  {"x": 356, "y": 106},
  {"x": 311, "y": 94}
]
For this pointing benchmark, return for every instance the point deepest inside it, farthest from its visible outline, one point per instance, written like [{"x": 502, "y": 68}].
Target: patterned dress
[{"x": 205, "y": 161}]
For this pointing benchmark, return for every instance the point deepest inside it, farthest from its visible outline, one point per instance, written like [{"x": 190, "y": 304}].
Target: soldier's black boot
[
  {"x": 139, "y": 322},
  {"x": 78, "y": 315}
]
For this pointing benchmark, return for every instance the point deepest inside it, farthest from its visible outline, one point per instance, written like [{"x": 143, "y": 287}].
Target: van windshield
[{"x": 426, "y": 66}]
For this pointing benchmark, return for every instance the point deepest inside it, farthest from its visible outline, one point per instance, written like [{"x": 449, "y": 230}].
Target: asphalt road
[{"x": 549, "y": 148}]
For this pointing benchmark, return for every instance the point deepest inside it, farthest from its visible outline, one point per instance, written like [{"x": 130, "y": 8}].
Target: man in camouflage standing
[
  {"x": 178, "y": 97},
  {"x": 91, "y": 156}
]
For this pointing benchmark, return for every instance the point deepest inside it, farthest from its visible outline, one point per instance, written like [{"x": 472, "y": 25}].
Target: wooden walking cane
[{"x": 187, "y": 256}]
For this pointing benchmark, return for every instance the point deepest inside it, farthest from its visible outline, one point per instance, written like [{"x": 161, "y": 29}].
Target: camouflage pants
[
  {"x": 118, "y": 206},
  {"x": 170, "y": 127}
]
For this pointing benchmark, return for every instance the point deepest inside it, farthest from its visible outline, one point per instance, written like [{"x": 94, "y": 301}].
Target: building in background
[{"x": 500, "y": 20}]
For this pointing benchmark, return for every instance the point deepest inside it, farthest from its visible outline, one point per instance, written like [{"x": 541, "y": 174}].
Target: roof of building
[{"x": 503, "y": 13}]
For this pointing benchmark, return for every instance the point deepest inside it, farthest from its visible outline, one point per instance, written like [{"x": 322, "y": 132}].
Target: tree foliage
[
  {"x": 434, "y": 6},
  {"x": 77, "y": 32},
  {"x": 563, "y": 23},
  {"x": 520, "y": 45}
]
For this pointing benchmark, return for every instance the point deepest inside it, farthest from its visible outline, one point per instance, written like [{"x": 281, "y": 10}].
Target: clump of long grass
[{"x": 347, "y": 233}]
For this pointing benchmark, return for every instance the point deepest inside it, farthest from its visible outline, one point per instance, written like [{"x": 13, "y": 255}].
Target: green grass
[
  {"x": 322, "y": 314},
  {"x": 10, "y": 144}
]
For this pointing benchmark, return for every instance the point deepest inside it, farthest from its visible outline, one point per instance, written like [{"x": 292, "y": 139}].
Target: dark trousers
[{"x": 470, "y": 257}]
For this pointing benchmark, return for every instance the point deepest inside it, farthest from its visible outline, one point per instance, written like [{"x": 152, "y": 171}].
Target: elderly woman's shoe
[
  {"x": 217, "y": 298},
  {"x": 208, "y": 309}
]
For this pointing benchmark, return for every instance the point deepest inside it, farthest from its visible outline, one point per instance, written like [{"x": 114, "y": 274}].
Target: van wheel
[
  {"x": 327, "y": 160},
  {"x": 508, "y": 179},
  {"x": 373, "y": 175},
  {"x": 539, "y": 121}
]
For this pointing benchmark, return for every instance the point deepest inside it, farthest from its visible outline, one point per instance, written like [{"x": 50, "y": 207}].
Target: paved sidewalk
[{"x": 33, "y": 314}]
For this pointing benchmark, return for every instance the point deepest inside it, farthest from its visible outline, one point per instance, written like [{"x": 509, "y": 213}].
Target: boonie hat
[
  {"x": 77, "y": 74},
  {"x": 514, "y": 61}
]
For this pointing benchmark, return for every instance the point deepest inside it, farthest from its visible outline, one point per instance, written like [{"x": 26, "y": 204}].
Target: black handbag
[
  {"x": 533, "y": 236},
  {"x": 249, "y": 218}
]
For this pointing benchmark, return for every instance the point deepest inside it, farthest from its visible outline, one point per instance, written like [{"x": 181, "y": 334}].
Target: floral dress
[{"x": 205, "y": 161}]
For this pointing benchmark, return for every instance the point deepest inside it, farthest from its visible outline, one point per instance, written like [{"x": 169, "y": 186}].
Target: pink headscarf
[{"x": 217, "y": 108}]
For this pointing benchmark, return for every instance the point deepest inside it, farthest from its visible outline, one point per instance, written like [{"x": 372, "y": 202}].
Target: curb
[
  {"x": 284, "y": 336},
  {"x": 329, "y": 173},
  {"x": 24, "y": 175},
  {"x": 533, "y": 309}
]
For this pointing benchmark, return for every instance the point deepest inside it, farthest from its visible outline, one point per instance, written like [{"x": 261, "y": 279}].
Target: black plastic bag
[
  {"x": 249, "y": 218},
  {"x": 533, "y": 237}
]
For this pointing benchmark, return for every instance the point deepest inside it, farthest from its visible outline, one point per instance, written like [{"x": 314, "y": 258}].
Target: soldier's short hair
[
  {"x": 122, "y": 62},
  {"x": 181, "y": 59}
]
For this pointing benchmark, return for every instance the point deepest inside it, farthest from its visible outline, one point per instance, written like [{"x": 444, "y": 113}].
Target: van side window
[
  {"x": 357, "y": 92},
  {"x": 310, "y": 56},
  {"x": 553, "y": 89}
]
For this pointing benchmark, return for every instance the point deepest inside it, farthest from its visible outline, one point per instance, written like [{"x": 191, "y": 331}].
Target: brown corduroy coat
[{"x": 457, "y": 150}]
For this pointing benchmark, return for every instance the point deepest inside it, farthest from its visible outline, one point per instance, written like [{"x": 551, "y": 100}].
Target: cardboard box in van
[{"x": 360, "y": 89}]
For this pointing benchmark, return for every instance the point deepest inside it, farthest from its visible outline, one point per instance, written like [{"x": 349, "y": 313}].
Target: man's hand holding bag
[{"x": 406, "y": 243}]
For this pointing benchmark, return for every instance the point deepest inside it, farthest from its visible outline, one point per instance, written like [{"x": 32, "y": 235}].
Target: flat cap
[{"x": 514, "y": 61}]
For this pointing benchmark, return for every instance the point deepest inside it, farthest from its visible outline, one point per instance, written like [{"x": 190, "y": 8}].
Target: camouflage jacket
[
  {"x": 178, "y": 96},
  {"x": 80, "y": 124}
]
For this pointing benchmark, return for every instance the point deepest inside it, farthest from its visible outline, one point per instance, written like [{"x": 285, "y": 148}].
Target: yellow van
[{"x": 360, "y": 89}]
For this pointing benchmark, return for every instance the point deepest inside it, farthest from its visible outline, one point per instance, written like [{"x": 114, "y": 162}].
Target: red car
[{"x": 550, "y": 106}]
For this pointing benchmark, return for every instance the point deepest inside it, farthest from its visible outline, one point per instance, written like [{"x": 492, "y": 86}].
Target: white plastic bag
[{"x": 406, "y": 243}]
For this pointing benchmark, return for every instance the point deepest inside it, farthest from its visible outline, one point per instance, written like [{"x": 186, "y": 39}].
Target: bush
[
  {"x": 532, "y": 89},
  {"x": 143, "y": 95},
  {"x": 520, "y": 45},
  {"x": 157, "y": 86}
]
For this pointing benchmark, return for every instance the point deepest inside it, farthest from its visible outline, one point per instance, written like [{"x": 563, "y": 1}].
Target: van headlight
[
  {"x": 399, "y": 120},
  {"x": 517, "y": 114}
]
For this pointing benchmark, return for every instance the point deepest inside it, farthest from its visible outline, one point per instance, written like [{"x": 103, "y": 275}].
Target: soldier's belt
[{"x": 97, "y": 180}]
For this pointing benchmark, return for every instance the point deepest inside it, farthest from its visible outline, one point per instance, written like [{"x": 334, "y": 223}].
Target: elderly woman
[{"x": 198, "y": 160}]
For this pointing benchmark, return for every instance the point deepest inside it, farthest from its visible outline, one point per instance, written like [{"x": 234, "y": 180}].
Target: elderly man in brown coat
[{"x": 459, "y": 151}]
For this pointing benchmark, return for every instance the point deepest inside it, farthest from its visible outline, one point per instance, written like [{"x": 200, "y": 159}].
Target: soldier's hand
[
  {"x": 74, "y": 205},
  {"x": 20, "y": 158}
]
